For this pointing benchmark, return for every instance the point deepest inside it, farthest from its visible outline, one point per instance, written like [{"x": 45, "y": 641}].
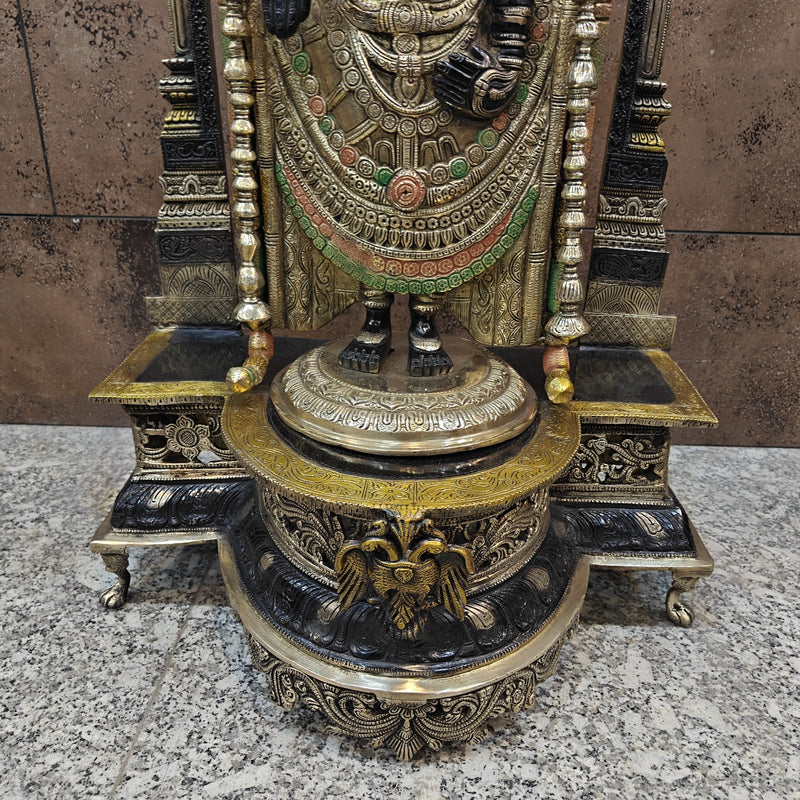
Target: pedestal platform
[
  {"x": 409, "y": 605},
  {"x": 481, "y": 402},
  {"x": 282, "y": 507}
]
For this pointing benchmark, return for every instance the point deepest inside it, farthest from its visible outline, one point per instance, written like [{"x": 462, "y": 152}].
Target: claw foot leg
[
  {"x": 116, "y": 563},
  {"x": 678, "y": 612}
]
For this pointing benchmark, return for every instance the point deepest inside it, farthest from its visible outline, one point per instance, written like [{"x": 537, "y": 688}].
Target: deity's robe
[{"x": 367, "y": 177}]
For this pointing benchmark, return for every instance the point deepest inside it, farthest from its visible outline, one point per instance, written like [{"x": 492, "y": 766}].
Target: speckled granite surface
[{"x": 159, "y": 700}]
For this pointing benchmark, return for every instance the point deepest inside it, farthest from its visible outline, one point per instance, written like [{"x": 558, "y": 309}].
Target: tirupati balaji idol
[
  {"x": 415, "y": 148},
  {"x": 406, "y": 524}
]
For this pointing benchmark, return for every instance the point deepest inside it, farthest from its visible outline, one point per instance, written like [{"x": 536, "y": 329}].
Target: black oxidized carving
[
  {"x": 626, "y": 529},
  {"x": 187, "y": 152},
  {"x": 204, "y": 70},
  {"x": 480, "y": 83},
  {"x": 630, "y": 266},
  {"x": 500, "y": 617},
  {"x": 626, "y": 81},
  {"x": 194, "y": 247},
  {"x": 181, "y": 505},
  {"x": 635, "y": 171},
  {"x": 282, "y": 17}
]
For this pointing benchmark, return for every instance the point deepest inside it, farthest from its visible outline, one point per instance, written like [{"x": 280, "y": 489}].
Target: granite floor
[{"x": 159, "y": 700}]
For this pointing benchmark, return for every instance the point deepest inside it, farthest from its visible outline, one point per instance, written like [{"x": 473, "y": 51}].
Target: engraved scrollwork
[
  {"x": 632, "y": 222},
  {"x": 619, "y": 459},
  {"x": 315, "y": 391},
  {"x": 200, "y": 280},
  {"x": 506, "y": 535},
  {"x": 406, "y": 728},
  {"x": 260, "y": 450},
  {"x": 193, "y": 186},
  {"x": 619, "y": 298},
  {"x": 193, "y": 247},
  {"x": 310, "y": 535},
  {"x": 316, "y": 532}
]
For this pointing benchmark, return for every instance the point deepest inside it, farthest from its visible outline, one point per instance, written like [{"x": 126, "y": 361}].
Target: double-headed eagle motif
[{"x": 408, "y": 566}]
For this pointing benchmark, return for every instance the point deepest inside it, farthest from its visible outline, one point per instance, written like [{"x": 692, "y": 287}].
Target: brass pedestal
[
  {"x": 455, "y": 593},
  {"x": 585, "y": 486}
]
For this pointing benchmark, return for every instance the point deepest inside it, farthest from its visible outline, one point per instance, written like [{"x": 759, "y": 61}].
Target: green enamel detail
[
  {"x": 442, "y": 285},
  {"x": 297, "y": 211},
  {"x": 383, "y": 175},
  {"x": 485, "y": 261},
  {"x": 326, "y": 124},
  {"x": 522, "y": 93},
  {"x": 506, "y": 240},
  {"x": 498, "y": 250},
  {"x": 301, "y": 63},
  {"x": 415, "y": 287},
  {"x": 459, "y": 167},
  {"x": 487, "y": 138},
  {"x": 519, "y": 217}
]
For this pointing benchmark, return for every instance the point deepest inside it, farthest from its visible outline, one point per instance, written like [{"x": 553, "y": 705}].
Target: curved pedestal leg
[
  {"x": 679, "y": 613},
  {"x": 116, "y": 563}
]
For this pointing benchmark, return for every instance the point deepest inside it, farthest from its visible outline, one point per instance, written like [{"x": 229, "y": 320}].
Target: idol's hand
[
  {"x": 282, "y": 17},
  {"x": 474, "y": 83}
]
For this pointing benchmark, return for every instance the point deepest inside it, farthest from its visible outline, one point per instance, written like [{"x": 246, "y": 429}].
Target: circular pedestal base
[
  {"x": 408, "y": 610},
  {"x": 481, "y": 402}
]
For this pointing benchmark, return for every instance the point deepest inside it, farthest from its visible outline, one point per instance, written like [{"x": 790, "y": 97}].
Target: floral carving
[{"x": 187, "y": 437}]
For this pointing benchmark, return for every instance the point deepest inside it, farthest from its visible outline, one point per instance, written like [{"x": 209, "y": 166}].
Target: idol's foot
[
  {"x": 426, "y": 356},
  {"x": 365, "y": 356},
  {"x": 426, "y": 363}
]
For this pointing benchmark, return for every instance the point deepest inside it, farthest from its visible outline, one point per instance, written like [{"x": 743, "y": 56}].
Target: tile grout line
[
  {"x": 157, "y": 688},
  {"x": 24, "y": 35},
  {"x": 81, "y": 217},
  {"x": 138, "y": 218}
]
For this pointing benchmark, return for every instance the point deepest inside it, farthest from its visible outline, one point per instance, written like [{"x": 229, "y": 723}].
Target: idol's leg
[
  {"x": 426, "y": 356},
  {"x": 367, "y": 352}
]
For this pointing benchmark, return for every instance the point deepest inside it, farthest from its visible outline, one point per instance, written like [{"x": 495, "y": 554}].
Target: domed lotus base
[{"x": 481, "y": 402}]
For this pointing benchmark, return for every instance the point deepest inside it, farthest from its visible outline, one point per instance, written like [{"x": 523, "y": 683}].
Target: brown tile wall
[{"x": 80, "y": 115}]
